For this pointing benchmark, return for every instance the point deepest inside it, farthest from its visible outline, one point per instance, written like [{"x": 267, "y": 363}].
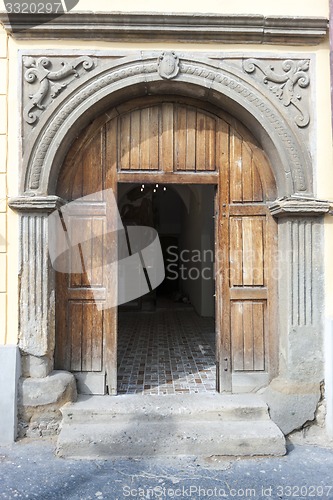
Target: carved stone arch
[
  {"x": 127, "y": 78},
  {"x": 115, "y": 82}
]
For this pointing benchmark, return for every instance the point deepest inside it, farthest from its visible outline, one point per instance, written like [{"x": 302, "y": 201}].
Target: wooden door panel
[
  {"x": 86, "y": 336},
  {"x": 247, "y": 254},
  {"x": 248, "y": 335}
]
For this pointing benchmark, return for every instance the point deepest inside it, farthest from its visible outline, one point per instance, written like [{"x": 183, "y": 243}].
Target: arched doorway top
[
  {"x": 201, "y": 78},
  {"x": 156, "y": 137}
]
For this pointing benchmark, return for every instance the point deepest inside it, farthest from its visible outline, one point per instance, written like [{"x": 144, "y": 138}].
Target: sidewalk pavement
[{"x": 30, "y": 470}]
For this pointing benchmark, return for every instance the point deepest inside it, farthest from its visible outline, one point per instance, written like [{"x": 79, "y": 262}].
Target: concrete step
[
  {"x": 189, "y": 406},
  {"x": 143, "y": 426},
  {"x": 147, "y": 439}
]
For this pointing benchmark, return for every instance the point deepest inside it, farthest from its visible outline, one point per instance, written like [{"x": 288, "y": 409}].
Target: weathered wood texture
[
  {"x": 83, "y": 333},
  {"x": 178, "y": 143},
  {"x": 166, "y": 137}
]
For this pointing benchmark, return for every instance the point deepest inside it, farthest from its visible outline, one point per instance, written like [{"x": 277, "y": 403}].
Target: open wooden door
[
  {"x": 86, "y": 331},
  {"x": 246, "y": 290},
  {"x": 153, "y": 141}
]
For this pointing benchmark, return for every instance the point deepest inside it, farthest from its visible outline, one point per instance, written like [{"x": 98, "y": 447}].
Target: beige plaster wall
[{"x": 321, "y": 138}]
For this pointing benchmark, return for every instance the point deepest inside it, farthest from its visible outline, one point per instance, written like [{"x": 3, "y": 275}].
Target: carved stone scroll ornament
[
  {"x": 168, "y": 65},
  {"x": 50, "y": 82},
  {"x": 287, "y": 84}
]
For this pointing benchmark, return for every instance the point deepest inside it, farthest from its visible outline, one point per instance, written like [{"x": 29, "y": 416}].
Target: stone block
[
  {"x": 35, "y": 367},
  {"x": 3, "y": 233},
  {"x": 3, "y": 272},
  {"x": 9, "y": 375},
  {"x": 3, "y": 153},
  {"x": 291, "y": 404},
  {"x": 51, "y": 392},
  {"x": 3, "y": 76},
  {"x": 3, "y": 114},
  {"x": 40, "y": 400}
]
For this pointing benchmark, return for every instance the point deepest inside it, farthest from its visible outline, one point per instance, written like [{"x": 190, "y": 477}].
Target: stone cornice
[
  {"x": 164, "y": 27},
  {"x": 35, "y": 203},
  {"x": 299, "y": 207}
]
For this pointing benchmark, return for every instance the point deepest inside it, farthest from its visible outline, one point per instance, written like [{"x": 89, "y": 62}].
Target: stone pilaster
[
  {"x": 37, "y": 290},
  {"x": 301, "y": 298},
  {"x": 294, "y": 395}
]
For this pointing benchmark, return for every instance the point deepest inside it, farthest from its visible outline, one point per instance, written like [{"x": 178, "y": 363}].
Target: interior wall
[{"x": 196, "y": 250}]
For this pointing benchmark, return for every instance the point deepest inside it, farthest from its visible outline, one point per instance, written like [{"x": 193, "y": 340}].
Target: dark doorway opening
[{"x": 166, "y": 339}]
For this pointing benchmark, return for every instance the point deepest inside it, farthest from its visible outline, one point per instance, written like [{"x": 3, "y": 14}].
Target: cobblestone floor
[{"x": 169, "y": 351}]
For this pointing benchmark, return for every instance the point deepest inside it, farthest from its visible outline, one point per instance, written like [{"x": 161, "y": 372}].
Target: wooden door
[
  {"x": 86, "y": 327},
  {"x": 173, "y": 141},
  {"x": 246, "y": 240}
]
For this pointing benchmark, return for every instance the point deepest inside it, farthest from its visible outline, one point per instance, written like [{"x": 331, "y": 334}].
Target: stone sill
[{"x": 168, "y": 27}]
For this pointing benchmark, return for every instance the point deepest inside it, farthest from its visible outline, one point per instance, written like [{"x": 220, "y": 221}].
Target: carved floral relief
[{"x": 286, "y": 85}]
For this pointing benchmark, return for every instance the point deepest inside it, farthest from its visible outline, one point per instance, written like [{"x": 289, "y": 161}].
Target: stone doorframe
[{"x": 104, "y": 82}]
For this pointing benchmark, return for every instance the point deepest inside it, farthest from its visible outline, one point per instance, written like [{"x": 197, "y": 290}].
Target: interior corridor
[
  {"x": 169, "y": 351},
  {"x": 166, "y": 339}
]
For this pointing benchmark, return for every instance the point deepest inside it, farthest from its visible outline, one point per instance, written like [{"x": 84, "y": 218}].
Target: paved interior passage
[{"x": 168, "y": 351}]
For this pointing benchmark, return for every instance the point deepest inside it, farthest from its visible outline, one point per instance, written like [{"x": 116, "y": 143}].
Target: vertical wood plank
[
  {"x": 257, "y": 186},
  {"x": 92, "y": 169},
  {"x": 75, "y": 315},
  {"x": 111, "y": 138},
  {"x": 259, "y": 340},
  {"x": 247, "y": 252},
  {"x": 78, "y": 182},
  {"x": 236, "y": 188},
  {"x": 237, "y": 336},
  {"x": 75, "y": 230},
  {"x": 87, "y": 333},
  {"x": 144, "y": 140},
  {"x": 124, "y": 142},
  {"x": 167, "y": 138},
  {"x": 190, "y": 159},
  {"x": 98, "y": 229},
  {"x": 180, "y": 137},
  {"x": 248, "y": 335},
  {"x": 258, "y": 251},
  {"x": 135, "y": 140},
  {"x": 62, "y": 347},
  {"x": 247, "y": 173},
  {"x": 201, "y": 142},
  {"x": 97, "y": 340},
  {"x": 236, "y": 252},
  {"x": 154, "y": 138},
  {"x": 86, "y": 249},
  {"x": 210, "y": 143}
]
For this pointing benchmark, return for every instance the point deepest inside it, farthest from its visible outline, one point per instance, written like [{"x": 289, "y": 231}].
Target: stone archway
[{"x": 114, "y": 81}]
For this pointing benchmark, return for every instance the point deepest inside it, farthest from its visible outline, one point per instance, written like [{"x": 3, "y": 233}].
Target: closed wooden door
[{"x": 179, "y": 143}]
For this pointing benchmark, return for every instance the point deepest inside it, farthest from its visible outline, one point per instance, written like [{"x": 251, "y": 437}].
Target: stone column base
[{"x": 40, "y": 400}]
